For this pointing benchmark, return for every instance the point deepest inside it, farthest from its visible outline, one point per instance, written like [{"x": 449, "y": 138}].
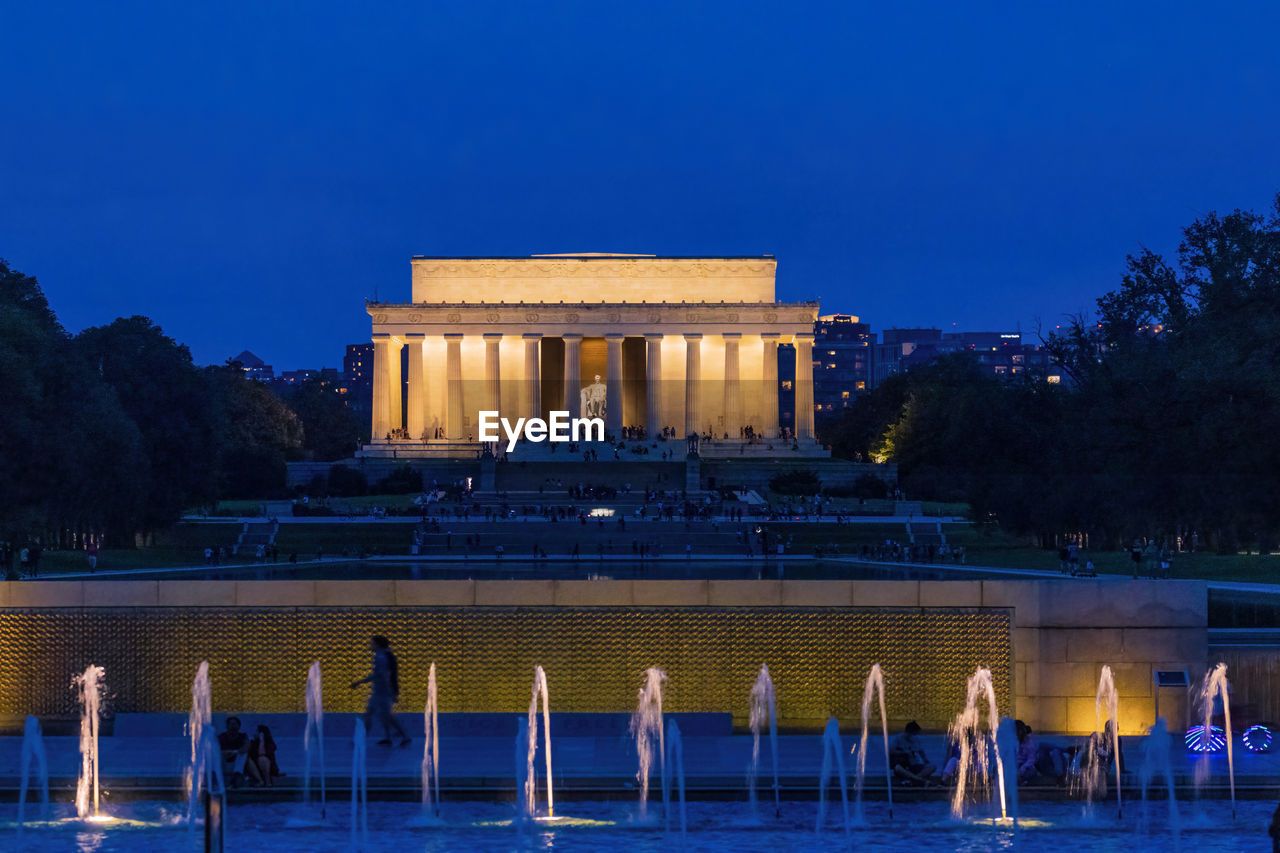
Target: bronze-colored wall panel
[{"x": 594, "y": 657}]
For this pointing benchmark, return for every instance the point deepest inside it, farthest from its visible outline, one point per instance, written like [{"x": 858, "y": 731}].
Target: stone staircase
[{"x": 253, "y": 534}]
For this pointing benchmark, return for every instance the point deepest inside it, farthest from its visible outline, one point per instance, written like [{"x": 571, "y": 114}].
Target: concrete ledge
[
  {"x": 435, "y": 593},
  {"x": 367, "y": 593},
  {"x": 689, "y": 593},
  {"x": 275, "y": 593},
  {"x": 197, "y": 593},
  {"x": 121, "y": 593},
  {"x": 531, "y": 593},
  {"x": 1022, "y": 596},
  {"x": 886, "y": 594},
  {"x": 950, "y": 594},
  {"x": 4, "y": 593},
  {"x": 593, "y": 593},
  {"x": 817, "y": 593},
  {"x": 46, "y": 594},
  {"x": 744, "y": 593}
]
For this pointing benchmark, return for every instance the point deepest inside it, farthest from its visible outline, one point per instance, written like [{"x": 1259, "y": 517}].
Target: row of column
[{"x": 387, "y": 381}]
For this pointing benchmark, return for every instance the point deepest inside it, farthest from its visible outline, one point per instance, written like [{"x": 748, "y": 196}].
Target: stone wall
[{"x": 1045, "y": 640}]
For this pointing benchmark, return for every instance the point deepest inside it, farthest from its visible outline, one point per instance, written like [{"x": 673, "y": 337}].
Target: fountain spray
[
  {"x": 315, "y": 724},
  {"x": 33, "y": 749},
  {"x": 764, "y": 708},
  {"x": 875, "y": 682},
  {"x": 531, "y": 778},
  {"x": 675, "y": 760},
  {"x": 431, "y": 747},
  {"x": 967, "y": 732},
  {"x": 832, "y": 748},
  {"x": 646, "y": 725},
  {"x": 198, "y": 720},
  {"x": 1108, "y": 700},
  {"x": 1216, "y": 685},
  {"x": 89, "y": 687},
  {"x": 359, "y": 787}
]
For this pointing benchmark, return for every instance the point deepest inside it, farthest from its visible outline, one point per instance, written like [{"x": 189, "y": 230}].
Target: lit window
[
  {"x": 844, "y": 395},
  {"x": 1000, "y": 368},
  {"x": 786, "y": 385},
  {"x": 1053, "y": 380},
  {"x": 862, "y": 386}
]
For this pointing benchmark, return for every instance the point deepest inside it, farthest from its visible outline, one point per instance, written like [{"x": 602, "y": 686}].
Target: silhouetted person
[{"x": 384, "y": 690}]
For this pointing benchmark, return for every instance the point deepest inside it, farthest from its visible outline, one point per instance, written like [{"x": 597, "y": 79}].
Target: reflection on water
[
  {"x": 713, "y": 826},
  {"x": 586, "y": 568}
]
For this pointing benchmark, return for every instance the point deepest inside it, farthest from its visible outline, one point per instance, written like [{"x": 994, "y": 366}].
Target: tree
[
  {"x": 257, "y": 435},
  {"x": 331, "y": 430},
  {"x": 166, "y": 396}
]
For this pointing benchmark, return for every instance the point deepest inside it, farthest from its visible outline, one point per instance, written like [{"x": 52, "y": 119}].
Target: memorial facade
[{"x": 663, "y": 345}]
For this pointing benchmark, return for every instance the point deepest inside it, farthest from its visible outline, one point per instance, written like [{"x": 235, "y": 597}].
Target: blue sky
[{"x": 247, "y": 173}]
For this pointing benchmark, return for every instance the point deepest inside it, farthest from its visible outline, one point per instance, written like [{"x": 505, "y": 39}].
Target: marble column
[
  {"x": 653, "y": 384},
  {"x": 573, "y": 375},
  {"x": 769, "y": 393},
  {"x": 531, "y": 388},
  {"x": 453, "y": 384},
  {"x": 804, "y": 386},
  {"x": 732, "y": 387},
  {"x": 692, "y": 384},
  {"x": 381, "y": 382},
  {"x": 613, "y": 385},
  {"x": 415, "y": 420},
  {"x": 492, "y": 371}
]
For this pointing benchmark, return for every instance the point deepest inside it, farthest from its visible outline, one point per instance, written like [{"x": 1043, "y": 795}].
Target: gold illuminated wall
[{"x": 594, "y": 657}]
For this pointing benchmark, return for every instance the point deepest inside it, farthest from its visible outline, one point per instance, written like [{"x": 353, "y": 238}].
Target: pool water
[{"x": 1206, "y": 827}]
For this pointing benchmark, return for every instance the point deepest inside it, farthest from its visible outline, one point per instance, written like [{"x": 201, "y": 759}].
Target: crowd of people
[{"x": 1036, "y": 762}]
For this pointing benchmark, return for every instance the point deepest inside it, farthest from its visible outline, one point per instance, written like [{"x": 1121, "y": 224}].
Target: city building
[
  {"x": 254, "y": 367},
  {"x": 843, "y": 358},
  {"x": 1002, "y": 354}
]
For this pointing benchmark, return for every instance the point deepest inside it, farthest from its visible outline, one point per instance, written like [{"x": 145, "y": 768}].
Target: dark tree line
[
  {"x": 115, "y": 431},
  {"x": 1167, "y": 422}
]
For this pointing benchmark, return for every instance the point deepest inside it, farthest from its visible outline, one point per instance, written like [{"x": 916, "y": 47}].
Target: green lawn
[{"x": 184, "y": 544}]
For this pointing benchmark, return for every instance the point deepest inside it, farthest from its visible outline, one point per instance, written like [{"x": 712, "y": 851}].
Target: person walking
[{"x": 384, "y": 691}]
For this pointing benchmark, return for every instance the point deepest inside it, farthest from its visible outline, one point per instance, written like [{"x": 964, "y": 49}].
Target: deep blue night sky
[{"x": 247, "y": 173}]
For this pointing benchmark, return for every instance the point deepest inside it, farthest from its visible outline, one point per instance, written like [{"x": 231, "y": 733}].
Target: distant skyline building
[
  {"x": 254, "y": 367},
  {"x": 843, "y": 355}
]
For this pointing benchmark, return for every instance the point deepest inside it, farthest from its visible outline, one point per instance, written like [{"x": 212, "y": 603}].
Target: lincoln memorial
[{"x": 654, "y": 345}]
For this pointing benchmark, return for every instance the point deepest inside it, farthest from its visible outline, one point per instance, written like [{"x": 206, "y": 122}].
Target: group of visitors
[
  {"x": 27, "y": 559},
  {"x": 254, "y": 758},
  {"x": 1035, "y": 763},
  {"x": 890, "y": 551}
]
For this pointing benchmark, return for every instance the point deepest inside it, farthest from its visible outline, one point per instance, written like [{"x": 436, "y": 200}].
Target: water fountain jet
[
  {"x": 646, "y": 726},
  {"x": 874, "y": 683},
  {"x": 764, "y": 708},
  {"x": 531, "y": 778},
  {"x": 1216, "y": 686},
  {"x": 966, "y": 731},
  {"x": 1106, "y": 701},
  {"x": 198, "y": 720},
  {"x": 832, "y": 748},
  {"x": 431, "y": 747},
  {"x": 675, "y": 760},
  {"x": 89, "y": 687},
  {"x": 313, "y": 736},
  {"x": 1156, "y": 762},
  {"x": 33, "y": 750},
  {"x": 359, "y": 787}
]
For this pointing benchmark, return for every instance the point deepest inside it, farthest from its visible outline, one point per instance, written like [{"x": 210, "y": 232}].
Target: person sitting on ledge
[
  {"x": 907, "y": 758},
  {"x": 234, "y": 745},
  {"x": 261, "y": 762}
]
